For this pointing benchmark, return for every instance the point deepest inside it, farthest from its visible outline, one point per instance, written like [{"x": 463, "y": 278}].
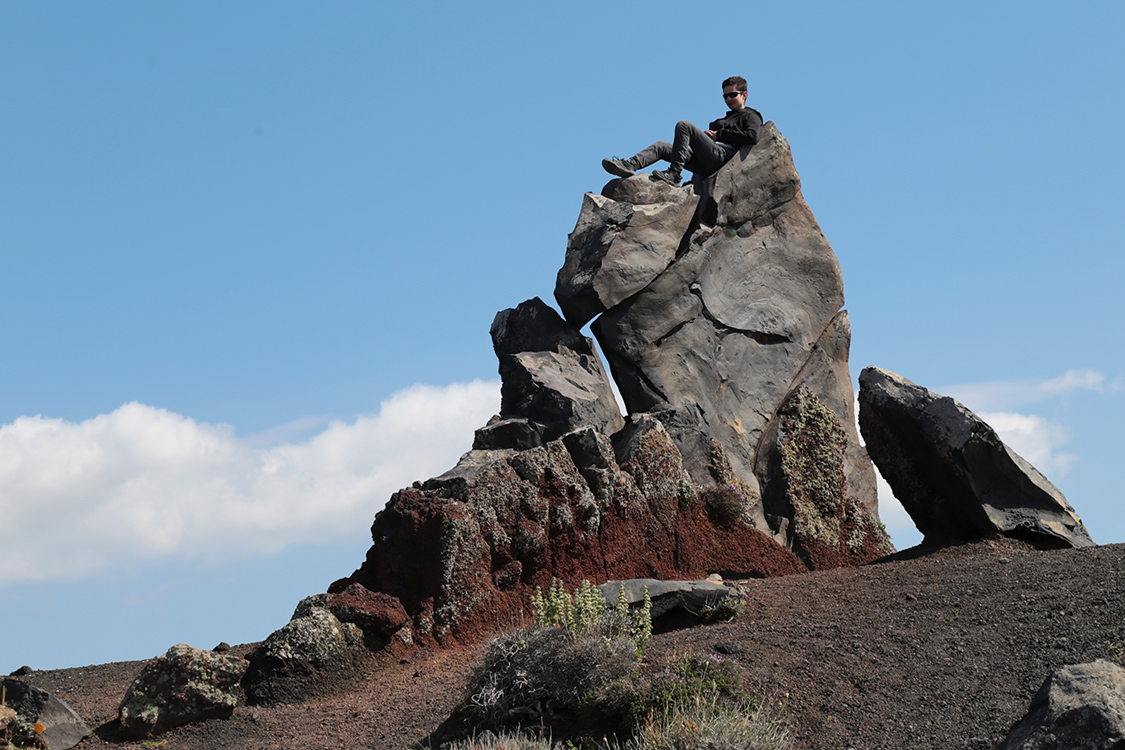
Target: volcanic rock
[
  {"x": 62, "y": 726},
  {"x": 312, "y": 654},
  {"x": 747, "y": 311},
  {"x": 1078, "y": 706},
  {"x": 951, "y": 471},
  {"x": 553, "y": 380},
  {"x": 804, "y": 480},
  {"x": 719, "y": 312},
  {"x": 619, "y": 246},
  {"x": 182, "y": 686},
  {"x": 370, "y": 610},
  {"x": 696, "y": 597},
  {"x": 466, "y": 549}
]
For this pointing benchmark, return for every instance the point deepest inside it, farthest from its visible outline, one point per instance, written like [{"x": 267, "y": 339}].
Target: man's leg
[
  {"x": 693, "y": 149},
  {"x": 628, "y": 167}
]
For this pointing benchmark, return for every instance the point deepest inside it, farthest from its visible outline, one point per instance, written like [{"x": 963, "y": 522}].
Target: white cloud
[
  {"x": 142, "y": 482},
  {"x": 1036, "y": 439},
  {"x": 1003, "y": 395}
]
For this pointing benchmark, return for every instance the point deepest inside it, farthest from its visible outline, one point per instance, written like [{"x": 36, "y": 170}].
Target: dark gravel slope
[{"x": 938, "y": 650}]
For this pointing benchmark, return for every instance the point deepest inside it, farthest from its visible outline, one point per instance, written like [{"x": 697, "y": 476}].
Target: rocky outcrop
[
  {"x": 951, "y": 471},
  {"x": 718, "y": 307},
  {"x": 1078, "y": 706},
  {"x": 313, "y": 654},
  {"x": 465, "y": 550},
  {"x": 51, "y": 720},
  {"x": 182, "y": 686}
]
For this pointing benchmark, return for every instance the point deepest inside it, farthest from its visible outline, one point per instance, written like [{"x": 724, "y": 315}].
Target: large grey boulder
[
  {"x": 951, "y": 471},
  {"x": 553, "y": 381},
  {"x": 183, "y": 686},
  {"x": 1078, "y": 706},
  {"x": 62, "y": 726}
]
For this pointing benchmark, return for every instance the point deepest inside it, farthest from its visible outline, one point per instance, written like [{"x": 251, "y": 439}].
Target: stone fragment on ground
[
  {"x": 697, "y": 597},
  {"x": 62, "y": 726},
  {"x": 184, "y": 685},
  {"x": 1078, "y": 706},
  {"x": 952, "y": 473}
]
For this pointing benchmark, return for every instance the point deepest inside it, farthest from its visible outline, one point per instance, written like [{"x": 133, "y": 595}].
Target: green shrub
[
  {"x": 545, "y": 674},
  {"x": 703, "y": 725},
  {"x": 577, "y": 612},
  {"x": 1117, "y": 653},
  {"x": 725, "y": 504},
  {"x": 720, "y": 608},
  {"x": 659, "y": 689}
]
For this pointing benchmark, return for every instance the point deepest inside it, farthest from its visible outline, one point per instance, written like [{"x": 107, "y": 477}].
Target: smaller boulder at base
[
  {"x": 313, "y": 654},
  {"x": 1078, "y": 706},
  {"x": 184, "y": 685},
  {"x": 62, "y": 726},
  {"x": 951, "y": 471}
]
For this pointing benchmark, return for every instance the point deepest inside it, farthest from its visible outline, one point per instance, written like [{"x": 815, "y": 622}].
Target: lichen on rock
[{"x": 831, "y": 529}]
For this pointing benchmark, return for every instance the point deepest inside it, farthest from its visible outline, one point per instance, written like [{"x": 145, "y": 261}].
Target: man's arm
[{"x": 738, "y": 128}]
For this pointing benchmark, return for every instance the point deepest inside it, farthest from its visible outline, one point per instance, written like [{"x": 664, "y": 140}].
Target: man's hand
[{"x": 712, "y": 135}]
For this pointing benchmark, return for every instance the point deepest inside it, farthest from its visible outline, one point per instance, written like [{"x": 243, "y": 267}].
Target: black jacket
[{"x": 738, "y": 128}]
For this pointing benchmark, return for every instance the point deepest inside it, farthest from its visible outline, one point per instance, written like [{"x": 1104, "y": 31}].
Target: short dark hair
[{"x": 737, "y": 81}]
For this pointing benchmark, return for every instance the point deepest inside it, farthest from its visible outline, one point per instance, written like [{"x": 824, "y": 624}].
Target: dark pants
[{"x": 692, "y": 149}]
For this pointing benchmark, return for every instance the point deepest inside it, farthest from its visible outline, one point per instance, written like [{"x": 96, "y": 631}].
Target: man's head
[{"x": 734, "y": 92}]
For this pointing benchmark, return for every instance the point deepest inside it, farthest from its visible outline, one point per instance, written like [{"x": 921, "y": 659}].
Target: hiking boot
[
  {"x": 671, "y": 175},
  {"x": 619, "y": 167}
]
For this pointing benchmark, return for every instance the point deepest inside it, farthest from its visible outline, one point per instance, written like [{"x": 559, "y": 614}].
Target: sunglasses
[{"x": 733, "y": 94}]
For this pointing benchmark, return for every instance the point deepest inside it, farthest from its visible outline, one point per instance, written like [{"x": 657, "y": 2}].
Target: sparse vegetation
[
  {"x": 720, "y": 608},
  {"x": 725, "y": 504},
  {"x": 1117, "y": 653},
  {"x": 580, "y": 667},
  {"x": 702, "y": 724},
  {"x": 686, "y": 493}
]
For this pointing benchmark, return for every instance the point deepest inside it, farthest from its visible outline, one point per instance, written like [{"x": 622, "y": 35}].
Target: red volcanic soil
[{"x": 934, "y": 648}]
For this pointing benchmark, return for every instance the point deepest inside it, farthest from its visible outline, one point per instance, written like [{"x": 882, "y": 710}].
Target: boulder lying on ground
[
  {"x": 182, "y": 686},
  {"x": 62, "y": 726},
  {"x": 951, "y": 471},
  {"x": 315, "y": 652},
  {"x": 1078, "y": 706}
]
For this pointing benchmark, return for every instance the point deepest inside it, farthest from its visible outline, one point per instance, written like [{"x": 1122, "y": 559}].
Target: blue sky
[{"x": 251, "y": 251}]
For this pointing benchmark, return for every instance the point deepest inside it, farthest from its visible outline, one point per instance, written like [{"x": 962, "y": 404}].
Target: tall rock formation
[
  {"x": 746, "y": 311},
  {"x": 718, "y": 306}
]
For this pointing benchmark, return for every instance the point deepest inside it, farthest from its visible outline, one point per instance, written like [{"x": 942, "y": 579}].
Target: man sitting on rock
[{"x": 702, "y": 152}]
